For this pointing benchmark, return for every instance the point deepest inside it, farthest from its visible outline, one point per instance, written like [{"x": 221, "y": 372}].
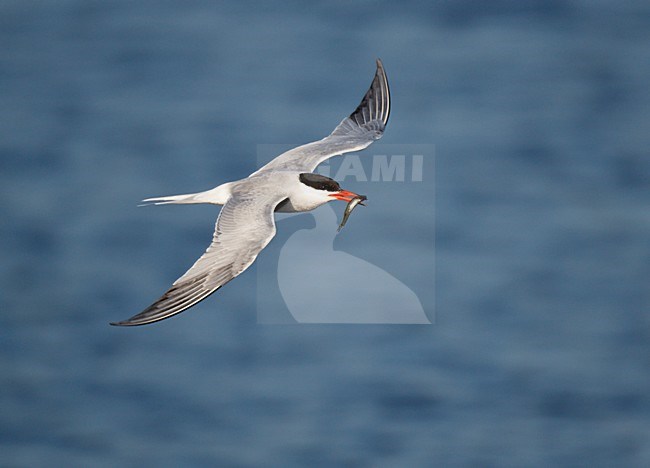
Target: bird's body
[{"x": 246, "y": 222}]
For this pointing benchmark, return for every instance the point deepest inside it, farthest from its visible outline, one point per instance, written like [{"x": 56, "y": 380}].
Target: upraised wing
[
  {"x": 356, "y": 132},
  {"x": 244, "y": 227}
]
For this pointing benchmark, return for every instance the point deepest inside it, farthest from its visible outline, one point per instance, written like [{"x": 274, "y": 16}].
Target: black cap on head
[{"x": 319, "y": 182}]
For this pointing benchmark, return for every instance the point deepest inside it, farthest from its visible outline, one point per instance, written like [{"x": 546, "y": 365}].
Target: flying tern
[{"x": 246, "y": 222}]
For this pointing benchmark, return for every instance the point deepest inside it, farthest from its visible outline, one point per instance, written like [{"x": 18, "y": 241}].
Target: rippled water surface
[{"x": 539, "y": 353}]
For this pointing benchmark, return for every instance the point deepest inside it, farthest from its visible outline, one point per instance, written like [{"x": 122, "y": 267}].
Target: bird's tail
[
  {"x": 216, "y": 196},
  {"x": 189, "y": 198}
]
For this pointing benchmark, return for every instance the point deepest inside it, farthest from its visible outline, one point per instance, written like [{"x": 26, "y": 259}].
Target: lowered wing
[{"x": 244, "y": 227}]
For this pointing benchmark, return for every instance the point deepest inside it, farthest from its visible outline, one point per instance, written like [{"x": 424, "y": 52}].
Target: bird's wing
[
  {"x": 244, "y": 227},
  {"x": 356, "y": 132}
]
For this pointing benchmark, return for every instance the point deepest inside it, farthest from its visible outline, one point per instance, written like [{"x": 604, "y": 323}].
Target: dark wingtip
[
  {"x": 371, "y": 115},
  {"x": 177, "y": 299},
  {"x": 124, "y": 323},
  {"x": 140, "y": 319},
  {"x": 375, "y": 105},
  {"x": 143, "y": 318}
]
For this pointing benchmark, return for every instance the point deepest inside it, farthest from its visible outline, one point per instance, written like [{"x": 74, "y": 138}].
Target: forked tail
[
  {"x": 189, "y": 198},
  {"x": 216, "y": 196}
]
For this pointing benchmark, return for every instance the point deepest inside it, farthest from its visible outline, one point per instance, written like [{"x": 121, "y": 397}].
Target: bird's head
[{"x": 325, "y": 188}]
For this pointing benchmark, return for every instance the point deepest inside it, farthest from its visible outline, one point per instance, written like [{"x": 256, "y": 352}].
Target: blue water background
[{"x": 540, "y": 352}]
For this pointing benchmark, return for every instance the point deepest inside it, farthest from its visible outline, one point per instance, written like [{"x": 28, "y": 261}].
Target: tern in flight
[{"x": 246, "y": 222}]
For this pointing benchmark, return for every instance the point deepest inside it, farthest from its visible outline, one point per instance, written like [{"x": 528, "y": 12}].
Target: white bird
[{"x": 246, "y": 222}]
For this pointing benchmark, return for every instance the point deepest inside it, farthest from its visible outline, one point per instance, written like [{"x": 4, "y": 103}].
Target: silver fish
[{"x": 348, "y": 209}]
